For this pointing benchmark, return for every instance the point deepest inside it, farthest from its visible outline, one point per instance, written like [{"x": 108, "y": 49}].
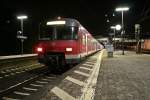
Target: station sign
[{"x": 21, "y": 37}]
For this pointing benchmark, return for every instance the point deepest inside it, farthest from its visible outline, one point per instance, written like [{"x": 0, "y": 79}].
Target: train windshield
[{"x": 59, "y": 33}]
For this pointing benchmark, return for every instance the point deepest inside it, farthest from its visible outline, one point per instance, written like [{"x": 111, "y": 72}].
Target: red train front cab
[{"x": 60, "y": 37}]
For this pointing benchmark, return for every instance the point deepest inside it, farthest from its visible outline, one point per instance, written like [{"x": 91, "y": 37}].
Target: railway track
[
  {"x": 18, "y": 82},
  {"x": 27, "y": 88},
  {"x": 35, "y": 82},
  {"x": 25, "y": 80}
]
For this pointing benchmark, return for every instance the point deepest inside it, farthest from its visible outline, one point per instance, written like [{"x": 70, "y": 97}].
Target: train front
[{"x": 58, "y": 43}]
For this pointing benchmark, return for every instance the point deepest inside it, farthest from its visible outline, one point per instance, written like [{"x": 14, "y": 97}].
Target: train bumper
[
  {"x": 73, "y": 59},
  {"x": 52, "y": 59},
  {"x": 69, "y": 59}
]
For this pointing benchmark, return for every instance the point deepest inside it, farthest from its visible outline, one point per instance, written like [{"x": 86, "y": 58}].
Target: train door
[
  {"x": 83, "y": 45},
  {"x": 80, "y": 43},
  {"x": 86, "y": 44}
]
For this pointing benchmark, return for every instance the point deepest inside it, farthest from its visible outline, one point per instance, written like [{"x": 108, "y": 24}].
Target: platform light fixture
[
  {"x": 114, "y": 29},
  {"x": 122, "y": 9},
  {"x": 117, "y": 27},
  {"x": 21, "y": 18}
]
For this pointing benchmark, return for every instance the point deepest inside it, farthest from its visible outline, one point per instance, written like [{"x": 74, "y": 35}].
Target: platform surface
[{"x": 124, "y": 77}]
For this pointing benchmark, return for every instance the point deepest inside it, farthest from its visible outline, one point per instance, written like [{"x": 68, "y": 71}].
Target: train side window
[
  {"x": 83, "y": 40},
  {"x": 46, "y": 33},
  {"x": 74, "y": 32}
]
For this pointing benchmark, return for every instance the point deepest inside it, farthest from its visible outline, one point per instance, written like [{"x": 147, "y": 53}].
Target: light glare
[
  {"x": 113, "y": 27},
  {"x": 56, "y": 23},
  {"x": 39, "y": 49},
  {"x": 122, "y": 9},
  {"x": 22, "y": 17},
  {"x": 118, "y": 27}
]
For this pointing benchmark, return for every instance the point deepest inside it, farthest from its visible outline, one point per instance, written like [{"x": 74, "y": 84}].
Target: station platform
[
  {"x": 16, "y": 56},
  {"x": 121, "y": 77},
  {"x": 124, "y": 77}
]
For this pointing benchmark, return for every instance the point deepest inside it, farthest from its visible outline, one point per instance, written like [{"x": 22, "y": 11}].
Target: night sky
[{"x": 90, "y": 13}]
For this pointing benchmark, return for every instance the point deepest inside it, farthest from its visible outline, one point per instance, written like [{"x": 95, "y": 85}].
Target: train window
[
  {"x": 83, "y": 40},
  {"x": 46, "y": 33},
  {"x": 59, "y": 33},
  {"x": 66, "y": 33}
]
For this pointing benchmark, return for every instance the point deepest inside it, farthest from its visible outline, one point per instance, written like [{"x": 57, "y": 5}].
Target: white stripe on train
[{"x": 77, "y": 56}]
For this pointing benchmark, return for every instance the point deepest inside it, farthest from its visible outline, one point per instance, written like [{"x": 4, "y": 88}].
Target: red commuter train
[
  {"x": 146, "y": 46},
  {"x": 65, "y": 41}
]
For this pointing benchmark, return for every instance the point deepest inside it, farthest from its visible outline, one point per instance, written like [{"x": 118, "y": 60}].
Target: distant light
[
  {"x": 113, "y": 27},
  {"x": 118, "y": 27},
  {"x": 113, "y": 14},
  {"x": 8, "y": 21},
  {"x": 122, "y": 9},
  {"x": 22, "y": 17},
  {"x": 56, "y": 23},
  {"x": 59, "y": 17},
  {"x": 108, "y": 20}
]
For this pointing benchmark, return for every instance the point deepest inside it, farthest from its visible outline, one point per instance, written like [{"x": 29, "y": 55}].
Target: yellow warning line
[{"x": 89, "y": 88}]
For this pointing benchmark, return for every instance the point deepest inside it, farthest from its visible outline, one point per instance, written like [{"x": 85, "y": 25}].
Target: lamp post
[
  {"x": 117, "y": 27},
  {"x": 114, "y": 29},
  {"x": 21, "y": 18},
  {"x": 122, "y": 9}
]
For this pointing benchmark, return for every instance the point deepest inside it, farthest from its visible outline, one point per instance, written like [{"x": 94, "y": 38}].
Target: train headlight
[
  {"x": 39, "y": 49},
  {"x": 68, "y": 49}
]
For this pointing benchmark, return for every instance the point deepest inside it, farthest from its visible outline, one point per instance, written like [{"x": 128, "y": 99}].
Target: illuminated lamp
[
  {"x": 39, "y": 49},
  {"x": 68, "y": 49},
  {"x": 56, "y": 23}
]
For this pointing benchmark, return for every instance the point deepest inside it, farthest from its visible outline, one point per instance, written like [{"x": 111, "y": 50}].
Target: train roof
[
  {"x": 64, "y": 21},
  {"x": 67, "y": 22}
]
